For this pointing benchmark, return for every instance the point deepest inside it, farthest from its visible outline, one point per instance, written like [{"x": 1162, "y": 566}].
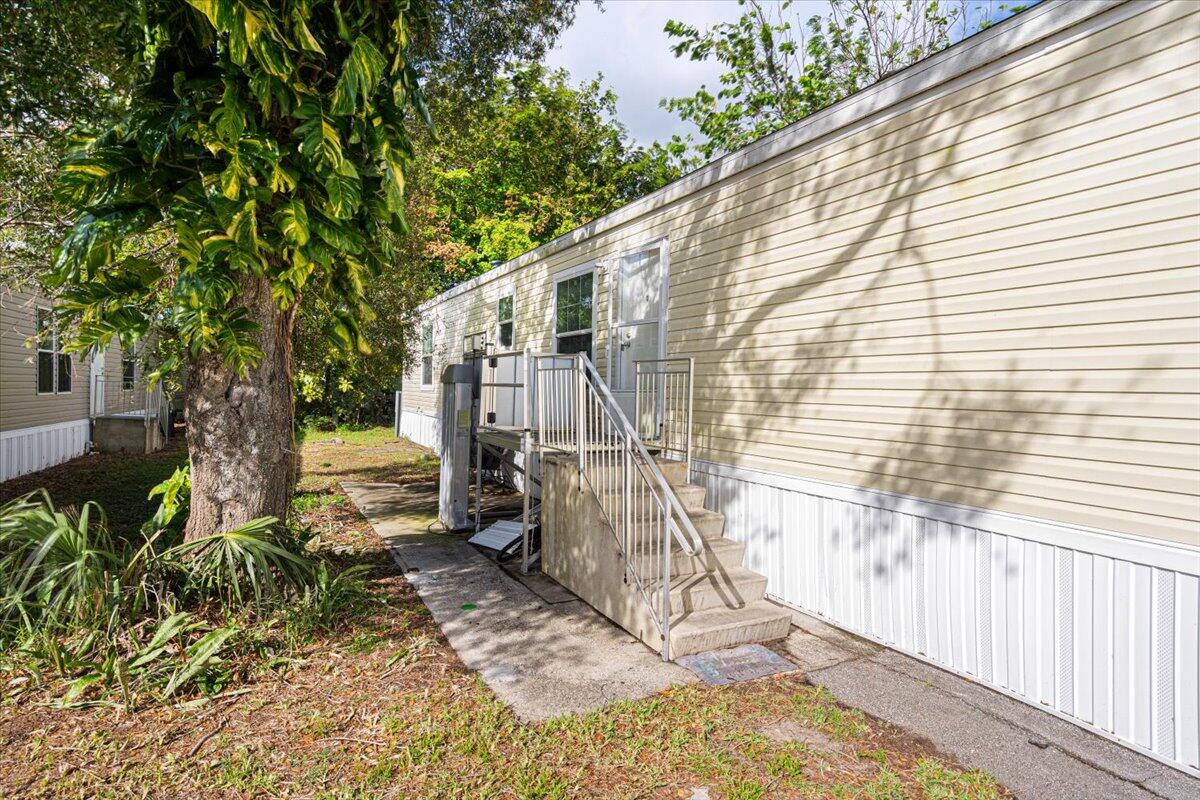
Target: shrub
[
  {"x": 261, "y": 556},
  {"x": 156, "y": 617},
  {"x": 320, "y": 422},
  {"x": 58, "y": 568}
]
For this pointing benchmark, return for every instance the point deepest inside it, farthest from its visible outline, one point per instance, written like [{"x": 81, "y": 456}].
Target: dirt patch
[{"x": 119, "y": 481}]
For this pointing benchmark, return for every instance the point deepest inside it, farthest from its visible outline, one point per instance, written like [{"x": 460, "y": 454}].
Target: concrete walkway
[
  {"x": 546, "y": 654},
  {"x": 1035, "y": 754},
  {"x": 543, "y": 658}
]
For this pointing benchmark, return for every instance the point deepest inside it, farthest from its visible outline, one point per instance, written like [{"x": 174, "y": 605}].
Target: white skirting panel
[
  {"x": 29, "y": 449},
  {"x": 422, "y": 428},
  {"x": 1098, "y": 628}
]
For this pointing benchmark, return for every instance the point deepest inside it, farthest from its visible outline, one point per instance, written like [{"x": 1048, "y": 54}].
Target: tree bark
[{"x": 239, "y": 427}]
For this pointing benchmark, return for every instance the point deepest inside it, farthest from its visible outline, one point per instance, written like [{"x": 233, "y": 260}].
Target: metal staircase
[{"x": 687, "y": 577}]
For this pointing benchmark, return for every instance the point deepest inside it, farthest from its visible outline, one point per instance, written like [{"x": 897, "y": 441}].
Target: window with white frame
[
  {"x": 505, "y": 333},
  {"x": 573, "y": 314},
  {"x": 54, "y": 370},
  {"x": 427, "y": 355}
]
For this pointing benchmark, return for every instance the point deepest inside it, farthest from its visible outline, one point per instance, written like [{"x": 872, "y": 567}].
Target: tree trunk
[{"x": 239, "y": 427}]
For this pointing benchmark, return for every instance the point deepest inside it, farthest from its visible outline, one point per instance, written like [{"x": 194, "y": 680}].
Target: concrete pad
[
  {"x": 539, "y": 583},
  {"x": 543, "y": 659},
  {"x": 1035, "y": 754}
]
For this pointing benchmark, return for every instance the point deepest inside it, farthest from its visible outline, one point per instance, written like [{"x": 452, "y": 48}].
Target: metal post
[
  {"x": 527, "y": 474},
  {"x": 396, "y": 405},
  {"x": 666, "y": 586},
  {"x": 579, "y": 378},
  {"x": 688, "y": 430},
  {"x": 478, "y": 481}
]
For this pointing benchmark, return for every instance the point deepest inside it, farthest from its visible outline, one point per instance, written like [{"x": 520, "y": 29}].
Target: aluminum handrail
[
  {"x": 567, "y": 407},
  {"x": 577, "y": 414},
  {"x": 663, "y": 392},
  {"x": 692, "y": 544}
]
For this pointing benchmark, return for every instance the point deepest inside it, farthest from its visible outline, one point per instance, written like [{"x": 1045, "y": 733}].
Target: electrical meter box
[{"x": 458, "y": 382}]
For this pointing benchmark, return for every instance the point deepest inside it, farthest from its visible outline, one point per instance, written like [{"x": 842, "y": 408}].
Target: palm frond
[{"x": 259, "y": 559}]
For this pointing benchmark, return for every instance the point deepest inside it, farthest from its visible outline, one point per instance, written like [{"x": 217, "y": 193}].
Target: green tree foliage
[
  {"x": 260, "y": 159},
  {"x": 68, "y": 67},
  {"x": 515, "y": 163},
  {"x": 464, "y": 44},
  {"x": 779, "y": 70},
  {"x": 529, "y": 160},
  {"x": 59, "y": 62},
  {"x": 268, "y": 142}
]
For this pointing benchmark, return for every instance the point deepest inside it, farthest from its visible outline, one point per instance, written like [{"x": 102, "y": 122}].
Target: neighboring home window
[
  {"x": 573, "y": 314},
  {"x": 504, "y": 316},
  {"x": 128, "y": 372},
  {"x": 427, "y": 355},
  {"x": 53, "y": 365}
]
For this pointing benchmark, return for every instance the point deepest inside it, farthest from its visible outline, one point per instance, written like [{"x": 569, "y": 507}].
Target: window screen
[
  {"x": 54, "y": 371},
  {"x": 128, "y": 372}
]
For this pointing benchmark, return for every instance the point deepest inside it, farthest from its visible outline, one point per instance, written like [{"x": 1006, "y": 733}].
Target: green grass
[
  {"x": 312, "y": 501},
  {"x": 368, "y": 436},
  {"x": 939, "y": 782},
  {"x": 820, "y": 711},
  {"x": 374, "y": 455},
  {"x": 118, "y": 482}
]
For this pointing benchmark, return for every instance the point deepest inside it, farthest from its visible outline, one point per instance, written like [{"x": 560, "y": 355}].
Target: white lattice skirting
[
  {"x": 1098, "y": 628},
  {"x": 422, "y": 428},
  {"x": 29, "y": 449}
]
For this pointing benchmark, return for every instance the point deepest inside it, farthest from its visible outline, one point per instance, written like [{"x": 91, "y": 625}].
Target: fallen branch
[
  {"x": 371, "y": 742},
  {"x": 204, "y": 739}
]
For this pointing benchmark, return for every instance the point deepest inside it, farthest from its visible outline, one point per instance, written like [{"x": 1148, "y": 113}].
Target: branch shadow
[{"x": 970, "y": 409}]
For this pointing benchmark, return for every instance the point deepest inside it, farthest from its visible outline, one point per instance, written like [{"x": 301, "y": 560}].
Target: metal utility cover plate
[
  {"x": 745, "y": 663},
  {"x": 499, "y": 535}
]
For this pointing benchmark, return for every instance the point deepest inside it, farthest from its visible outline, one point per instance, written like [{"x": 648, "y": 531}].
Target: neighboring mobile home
[
  {"x": 946, "y": 336},
  {"x": 55, "y": 406}
]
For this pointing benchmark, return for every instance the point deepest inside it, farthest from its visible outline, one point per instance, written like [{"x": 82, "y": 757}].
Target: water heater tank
[{"x": 457, "y": 387}]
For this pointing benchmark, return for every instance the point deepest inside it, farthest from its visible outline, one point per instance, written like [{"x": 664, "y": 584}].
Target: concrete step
[
  {"x": 709, "y": 524},
  {"x": 734, "y": 588},
  {"x": 690, "y": 495},
  {"x": 607, "y": 476},
  {"x": 718, "y": 628},
  {"x": 674, "y": 471},
  {"x": 719, "y": 555}
]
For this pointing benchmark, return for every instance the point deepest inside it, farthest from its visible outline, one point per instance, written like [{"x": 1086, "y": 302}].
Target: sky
[{"x": 625, "y": 41}]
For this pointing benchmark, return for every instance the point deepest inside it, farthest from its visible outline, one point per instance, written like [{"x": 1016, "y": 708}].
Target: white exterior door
[
  {"x": 639, "y": 298},
  {"x": 97, "y": 384}
]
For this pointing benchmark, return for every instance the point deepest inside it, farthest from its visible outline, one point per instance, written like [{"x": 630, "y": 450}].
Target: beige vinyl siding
[
  {"x": 987, "y": 294},
  {"x": 20, "y": 404}
]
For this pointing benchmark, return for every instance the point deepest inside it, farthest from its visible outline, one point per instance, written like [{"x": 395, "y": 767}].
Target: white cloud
[{"x": 625, "y": 41}]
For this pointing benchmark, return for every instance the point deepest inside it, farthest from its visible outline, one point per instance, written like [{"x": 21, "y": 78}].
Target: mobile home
[
  {"x": 944, "y": 343},
  {"x": 55, "y": 406}
]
